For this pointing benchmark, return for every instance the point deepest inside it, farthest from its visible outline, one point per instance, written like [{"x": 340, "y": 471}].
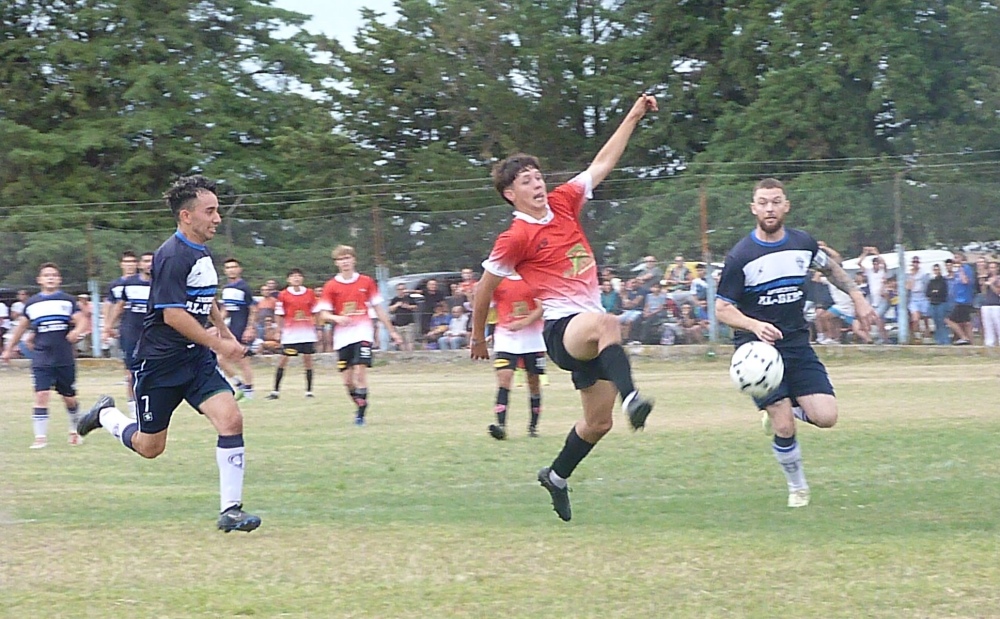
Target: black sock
[
  {"x": 247, "y": 387},
  {"x": 573, "y": 452},
  {"x": 362, "y": 401},
  {"x": 309, "y": 380},
  {"x": 503, "y": 395},
  {"x": 536, "y": 410},
  {"x": 614, "y": 361},
  {"x": 277, "y": 378},
  {"x": 781, "y": 441}
]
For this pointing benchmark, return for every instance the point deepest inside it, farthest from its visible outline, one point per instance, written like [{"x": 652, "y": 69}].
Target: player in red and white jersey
[
  {"x": 517, "y": 338},
  {"x": 346, "y": 301},
  {"x": 546, "y": 245},
  {"x": 294, "y": 316}
]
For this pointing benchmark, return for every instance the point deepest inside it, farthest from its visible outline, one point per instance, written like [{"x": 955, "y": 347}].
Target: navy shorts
[
  {"x": 532, "y": 362},
  {"x": 585, "y": 373},
  {"x": 62, "y": 377},
  {"x": 161, "y": 385},
  {"x": 805, "y": 374},
  {"x": 237, "y": 327},
  {"x": 358, "y": 353},
  {"x": 128, "y": 353}
]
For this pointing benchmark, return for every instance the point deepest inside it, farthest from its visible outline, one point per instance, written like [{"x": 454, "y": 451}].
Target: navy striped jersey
[
  {"x": 115, "y": 289},
  {"x": 50, "y": 316},
  {"x": 183, "y": 276},
  {"x": 237, "y": 299},
  {"x": 765, "y": 282},
  {"x": 135, "y": 294}
]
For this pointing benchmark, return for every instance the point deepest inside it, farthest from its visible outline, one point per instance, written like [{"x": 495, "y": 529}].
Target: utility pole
[{"x": 902, "y": 315}]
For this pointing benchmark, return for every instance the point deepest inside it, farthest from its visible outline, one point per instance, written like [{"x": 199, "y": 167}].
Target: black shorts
[
  {"x": 62, "y": 377},
  {"x": 358, "y": 353},
  {"x": 962, "y": 312},
  {"x": 161, "y": 385},
  {"x": 532, "y": 362},
  {"x": 585, "y": 373},
  {"x": 294, "y": 350},
  {"x": 805, "y": 374},
  {"x": 128, "y": 352}
]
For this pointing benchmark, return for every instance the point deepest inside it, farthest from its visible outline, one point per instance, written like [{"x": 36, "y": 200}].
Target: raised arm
[
  {"x": 837, "y": 276},
  {"x": 607, "y": 158}
]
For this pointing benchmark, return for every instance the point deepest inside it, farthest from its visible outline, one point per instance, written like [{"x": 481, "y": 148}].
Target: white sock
[
  {"x": 114, "y": 421},
  {"x": 557, "y": 481},
  {"x": 131, "y": 408},
  {"x": 40, "y": 423},
  {"x": 74, "y": 419},
  {"x": 628, "y": 399},
  {"x": 790, "y": 459},
  {"x": 230, "y": 461}
]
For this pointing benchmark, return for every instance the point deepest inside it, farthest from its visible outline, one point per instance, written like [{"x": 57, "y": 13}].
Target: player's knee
[{"x": 150, "y": 450}]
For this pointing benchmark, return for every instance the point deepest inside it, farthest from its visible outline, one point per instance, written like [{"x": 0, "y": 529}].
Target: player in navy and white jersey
[
  {"x": 109, "y": 325},
  {"x": 58, "y": 324},
  {"x": 241, "y": 314},
  {"x": 131, "y": 308},
  {"x": 176, "y": 356},
  {"x": 761, "y": 296}
]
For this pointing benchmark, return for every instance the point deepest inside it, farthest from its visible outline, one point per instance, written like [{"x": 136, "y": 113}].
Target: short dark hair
[
  {"x": 49, "y": 265},
  {"x": 507, "y": 170},
  {"x": 128, "y": 253},
  {"x": 147, "y": 253},
  {"x": 295, "y": 271},
  {"x": 767, "y": 183},
  {"x": 228, "y": 260},
  {"x": 185, "y": 189}
]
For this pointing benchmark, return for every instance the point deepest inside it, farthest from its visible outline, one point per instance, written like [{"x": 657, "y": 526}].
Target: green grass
[{"x": 421, "y": 514}]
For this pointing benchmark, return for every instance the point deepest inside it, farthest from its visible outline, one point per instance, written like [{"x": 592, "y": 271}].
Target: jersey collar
[
  {"x": 781, "y": 241},
  {"x": 531, "y": 220},
  {"x": 340, "y": 278},
  {"x": 187, "y": 241}
]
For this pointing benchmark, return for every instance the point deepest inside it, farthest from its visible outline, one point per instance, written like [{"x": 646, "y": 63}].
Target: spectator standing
[
  {"x": 402, "y": 307},
  {"x": 919, "y": 306},
  {"x": 875, "y": 274},
  {"x": 961, "y": 287},
  {"x": 433, "y": 295},
  {"x": 937, "y": 297},
  {"x": 991, "y": 305},
  {"x": 651, "y": 272}
]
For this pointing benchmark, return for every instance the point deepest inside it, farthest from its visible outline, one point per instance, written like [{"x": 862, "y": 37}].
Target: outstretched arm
[{"x": 612, "y": 150}]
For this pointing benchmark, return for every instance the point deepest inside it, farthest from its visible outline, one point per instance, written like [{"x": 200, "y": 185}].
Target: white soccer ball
[{"x": 757, "y": 369}]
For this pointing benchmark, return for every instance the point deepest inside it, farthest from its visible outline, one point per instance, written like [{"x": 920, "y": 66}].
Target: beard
[{"x": 771, "y": 228}]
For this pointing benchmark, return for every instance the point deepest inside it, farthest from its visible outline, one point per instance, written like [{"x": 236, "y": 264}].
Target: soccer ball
[{"x": 757, "y": 369}]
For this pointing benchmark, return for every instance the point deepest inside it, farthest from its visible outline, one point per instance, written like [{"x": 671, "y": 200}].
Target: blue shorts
[
  {"x": 805, "y": 374},
  {"x": 161, "y": 385},
  {"x": 585, "y": 373},
  {"x": 237, "y": 327},
  {"x": 62, "y": 377},
  {"x": 847, "y": 318},
  {"x": 128, "y": 352}
]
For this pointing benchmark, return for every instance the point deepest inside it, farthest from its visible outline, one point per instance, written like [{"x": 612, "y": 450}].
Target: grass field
[{"x": 421, "y": 514}]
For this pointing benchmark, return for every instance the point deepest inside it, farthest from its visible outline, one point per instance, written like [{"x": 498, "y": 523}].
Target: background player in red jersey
[
  {"x": 345, "y": 302},
  {"x": 546, "y": 245},
  {"x": 294, "y": 316},
  {"x": 517, "y": 338}
]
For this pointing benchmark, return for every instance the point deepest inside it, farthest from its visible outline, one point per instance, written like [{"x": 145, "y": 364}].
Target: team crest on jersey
[
  {"x": 800, "y": 262},
  {"x": 580, "y": 260}
]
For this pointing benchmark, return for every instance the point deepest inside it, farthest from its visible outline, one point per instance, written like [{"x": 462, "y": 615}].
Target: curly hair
[
  {"x": 507, "y": 170},
  {"x": 185, "y": 189}
]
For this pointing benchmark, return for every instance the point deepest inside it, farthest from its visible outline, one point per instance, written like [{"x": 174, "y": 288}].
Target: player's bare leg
[{"x": 597, "y": 336}]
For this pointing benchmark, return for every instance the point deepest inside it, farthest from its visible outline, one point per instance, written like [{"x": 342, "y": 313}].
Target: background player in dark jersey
[
  {"x": 547, "y": 247},
  {"x": 177, "y": 352},
  {"x": 109, "y": 327},
  {"x": 131, "y": 308},
  {"x": 761, "y": 296},
  {"x": 50, "y": 314},
  {"x": 241, "y": 315}
]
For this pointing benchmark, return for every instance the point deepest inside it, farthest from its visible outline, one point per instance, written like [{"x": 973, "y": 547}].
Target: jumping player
[
  {"x": 294, "y": 317},
  {"x": 58, "y": 323},
  {"x": 517, "y": 342},
  {"x": 761, "y": 296},
  {"x": 346, "y": 301},
  {"x": 546, "y": 245},
  {"x": 176, "y": 357}
]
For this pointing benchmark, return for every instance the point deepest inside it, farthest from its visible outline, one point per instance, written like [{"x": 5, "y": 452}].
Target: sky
[{"x": 337, "y": 18}]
